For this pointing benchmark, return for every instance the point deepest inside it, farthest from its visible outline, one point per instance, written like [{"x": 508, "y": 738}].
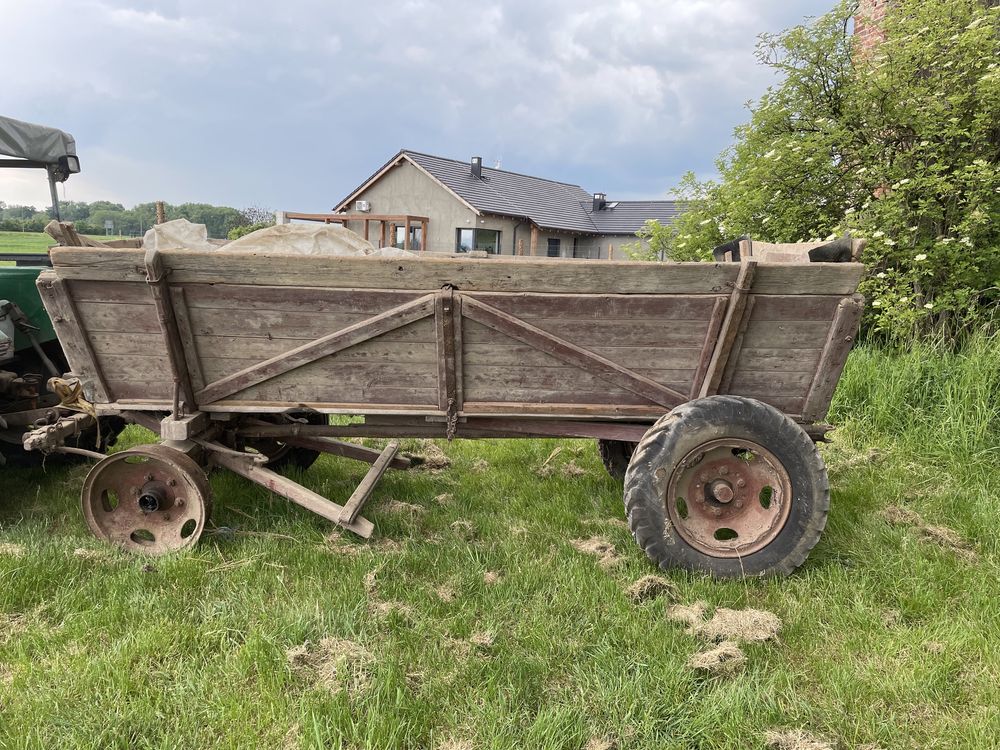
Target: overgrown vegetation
[
  {"x": 900, "y": 145},
  {"x": 472, "y": 620}
]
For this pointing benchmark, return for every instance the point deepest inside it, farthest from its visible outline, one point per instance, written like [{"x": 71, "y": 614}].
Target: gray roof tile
[{"x": 547, "y": 203}]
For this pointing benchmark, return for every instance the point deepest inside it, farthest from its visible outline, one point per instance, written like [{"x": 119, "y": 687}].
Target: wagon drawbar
[{"x": 720, "y": 373}]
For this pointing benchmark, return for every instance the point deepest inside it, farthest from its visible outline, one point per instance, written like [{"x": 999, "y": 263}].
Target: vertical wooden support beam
[
  {"x": 406, "y": 233},
  {"x": 534, "y": 240},
  {"x": 384, "y": 233},
  {"x": 708, "y": 347},
  {"x": 449, "y": 355},
  {"x": 392, "y": 235},
  {"x": 730, "y": 326},
  {"x": 66, "y": 321},
  {"x": 423, "y": 235},
  {"x": 366, "y": 229},
  {"x": 156, "y": 279},
  {"x": 834, "y": 357}
]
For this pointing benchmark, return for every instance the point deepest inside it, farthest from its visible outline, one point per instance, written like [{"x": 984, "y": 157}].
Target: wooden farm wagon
[{"x": 705, "y": 383}]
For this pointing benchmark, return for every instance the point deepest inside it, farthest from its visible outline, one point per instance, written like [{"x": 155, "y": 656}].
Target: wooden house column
[
  {"x": 366, "y": 229},
  {"x": 534, "y": 240},
  {"x": 406, "y": 233},
  {"x": 423, "y": 235}
]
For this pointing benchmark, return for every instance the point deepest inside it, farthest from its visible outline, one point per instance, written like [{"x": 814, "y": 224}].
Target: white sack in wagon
[
  {"x": 302, "y": 239},
  {"x": 177, "y": 233}
]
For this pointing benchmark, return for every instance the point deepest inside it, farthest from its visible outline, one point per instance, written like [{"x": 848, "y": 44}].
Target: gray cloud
[{"x": 291, "y": 105}]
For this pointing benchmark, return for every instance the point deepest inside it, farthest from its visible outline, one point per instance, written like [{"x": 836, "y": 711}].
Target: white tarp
[
  {"x": 295, "y": 239},
  {"x": 177, "y": 233},
  {"x": 26, "y": 140},
  {"x": 303, "y": 239}
]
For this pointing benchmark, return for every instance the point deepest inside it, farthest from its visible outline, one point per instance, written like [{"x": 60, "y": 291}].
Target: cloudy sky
[{"x": 289, "y": 105}]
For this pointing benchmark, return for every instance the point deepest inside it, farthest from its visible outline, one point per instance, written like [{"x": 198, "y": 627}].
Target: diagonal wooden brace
[
  {"x": 298, "y": 494},
  {"x": 346, "y": 450},
  {"x": 364, "y": 490}
]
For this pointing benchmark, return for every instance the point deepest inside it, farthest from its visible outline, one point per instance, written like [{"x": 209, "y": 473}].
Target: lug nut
[{"x": 723, "y": 470}]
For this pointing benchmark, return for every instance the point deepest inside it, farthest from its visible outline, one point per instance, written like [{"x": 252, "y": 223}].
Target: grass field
[
  {"x": 27, "y": 242},
  {"x": 471, "y": 621}
]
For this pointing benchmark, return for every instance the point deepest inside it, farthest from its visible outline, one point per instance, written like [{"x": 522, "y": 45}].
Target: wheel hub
[
  {"x": 729, "y": 497},
  {"x": 151, "y": 499}
]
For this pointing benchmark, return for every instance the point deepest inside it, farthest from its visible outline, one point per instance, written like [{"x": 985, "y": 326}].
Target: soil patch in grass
[
  {"x": 942, "y": 536},
  {"x": 725, "y": 659},
  {"x": 599, "y": 547}
]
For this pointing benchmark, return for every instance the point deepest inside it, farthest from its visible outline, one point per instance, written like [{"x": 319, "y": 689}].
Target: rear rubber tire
[
  {"x": 615, "y": 455},
  {"x": 683, "y": 430}
]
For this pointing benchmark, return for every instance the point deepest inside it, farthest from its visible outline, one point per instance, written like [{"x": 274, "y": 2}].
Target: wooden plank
[
  {"x": 56, "y": 297},
  {"x": 327, "y": 373},
  {"x": 730, "y": 327},
  {"x": 387, "y": 321},
  {"x": 789, "y": 335},
  {"x": 593, "y": 334},
  {"x": 831, "y": 364},
  {"x": 784, "y": 360},
  {"x": 118, "y": 317},
  {"x": 593, "y": 410},
  {"x": 295, "y": 299},
  {"x": 157, "y": 282},
  {"x": 339, "y": 448},
  {"x": 449, "y": 357},
  {"x": 297, "y": 394},
  {"x": 364, "y": 490},
  {"x": 571, "y": 353},
  {"x": 623, "y": 307},
  {"x": 507, "y": 273},
  {"x": 293, "y": 491},
  {"x": 734, "y": 355}
]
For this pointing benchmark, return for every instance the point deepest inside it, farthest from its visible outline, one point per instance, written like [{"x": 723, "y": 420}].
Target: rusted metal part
[
  {"x": 49, "y": 437},
  {"x": 729, "y": 497},
  {"x": 151, "y": 500},
  {"x": 156, "y": 278},
  {"x": 729, "y": 329},
  {"x": 247, "y": 467},
  {"x": 364, "y": 490},
  {"x": 70, "y": 450}
]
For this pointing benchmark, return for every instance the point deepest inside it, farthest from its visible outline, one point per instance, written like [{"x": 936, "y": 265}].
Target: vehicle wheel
[
  {"x": 281, "y": 456},
  {"x": 615, "y": 454},
  {"x": 729, "y": 486},
  {"x": 151, "y": 500}
]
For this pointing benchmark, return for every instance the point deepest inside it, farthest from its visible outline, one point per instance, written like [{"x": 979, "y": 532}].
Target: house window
[
  {"x": 477, "y": 239},
  {"x": 555, "y": 247},
  {"x": 416, "y": 237}
]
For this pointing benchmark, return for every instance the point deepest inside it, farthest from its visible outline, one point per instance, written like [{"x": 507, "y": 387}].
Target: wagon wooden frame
[{"x": 204, "y": 344}]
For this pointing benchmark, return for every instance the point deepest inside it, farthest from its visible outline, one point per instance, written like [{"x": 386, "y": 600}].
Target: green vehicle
[{"x": 29, "y": 351}]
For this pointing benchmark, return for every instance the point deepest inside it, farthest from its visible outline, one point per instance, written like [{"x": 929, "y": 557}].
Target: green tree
[{"x": 900, "y": 145}]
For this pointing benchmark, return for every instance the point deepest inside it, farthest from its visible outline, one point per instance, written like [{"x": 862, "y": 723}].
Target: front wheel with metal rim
[
  {"x": 151, "y": 499},
  {"x": 727, "y": 485}
]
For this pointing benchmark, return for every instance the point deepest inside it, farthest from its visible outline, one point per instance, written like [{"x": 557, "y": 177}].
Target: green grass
[
  {"x": 24, "y": 242},
  {"x": 888, "y": 640}
]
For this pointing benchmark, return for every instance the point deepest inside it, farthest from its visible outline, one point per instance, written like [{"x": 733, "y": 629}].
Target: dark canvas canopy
[{"x": 36, "y": 142}]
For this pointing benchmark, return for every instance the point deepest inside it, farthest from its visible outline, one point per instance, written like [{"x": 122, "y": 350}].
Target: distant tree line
[{"x": 89, "y": 218}]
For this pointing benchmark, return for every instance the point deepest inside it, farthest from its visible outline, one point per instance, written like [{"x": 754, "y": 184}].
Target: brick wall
[{"x": 868, "y": 31}]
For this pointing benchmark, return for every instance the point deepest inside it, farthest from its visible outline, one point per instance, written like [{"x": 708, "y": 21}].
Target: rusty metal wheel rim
[
  {"x": 729, "y": 497},
  {"x": 150, "y": 500}
]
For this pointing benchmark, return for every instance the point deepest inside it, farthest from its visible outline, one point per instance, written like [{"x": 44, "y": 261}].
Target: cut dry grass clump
[
  {"x": 451, "y": 744},
  {"x": 333, "y": 664},
  {"x": 601, "y": 548},
  {"x": 724, "y": 660},
  {"x": 491, "y": 577},
  {"x": 483, "y": 641},
  {"x": 794, "y": 739},
  {"x": 12, "y": 549},
  {"x": 400, "y": 508},
  {"x": 650, "y": 587},
  {"x": 445, "y": 593},
  {"x": 942, "y": 536},
  {"x": 747, "y": 625},
  {"x": 480, "y": 465},
  {"x": 93, "y": 555},
  {"x": 600, "y": 743},
  {"x": 445, "y": 498},
  {"x": 464, "y": 529},
  {"x": 431, "y": 458},
  {"x": 687, "y": 614},
  {"x": 549, "y": 466},
  {"x": 386, "y": 610}
]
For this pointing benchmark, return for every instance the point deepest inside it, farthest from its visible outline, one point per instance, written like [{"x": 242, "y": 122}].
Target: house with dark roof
[{"x": 466, "y": 206}]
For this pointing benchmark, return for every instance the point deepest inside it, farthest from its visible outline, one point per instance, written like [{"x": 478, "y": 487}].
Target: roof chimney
[
  {"x": 477, "y": 167},
  {"x": 600, "y": 201}
]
